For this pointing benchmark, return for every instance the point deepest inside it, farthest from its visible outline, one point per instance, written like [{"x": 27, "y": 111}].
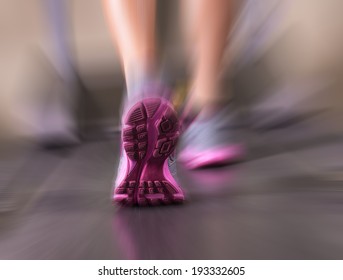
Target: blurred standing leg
[{"x": 57, "y": 121}]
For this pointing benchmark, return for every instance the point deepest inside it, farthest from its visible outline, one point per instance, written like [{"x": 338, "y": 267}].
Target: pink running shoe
[
  {"x": 215, "y": 156},
  {"x": 211, "y": 141},
  {"x": 147, "y": 170}
]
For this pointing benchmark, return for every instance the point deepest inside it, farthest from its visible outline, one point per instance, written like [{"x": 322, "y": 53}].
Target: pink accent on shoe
[
  {"x": 194, "y": 159},
  {"x": 149, "y": 135}
]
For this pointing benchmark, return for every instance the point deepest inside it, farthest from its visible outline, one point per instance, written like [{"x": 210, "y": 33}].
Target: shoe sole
[{"x": 149, "y": 136}]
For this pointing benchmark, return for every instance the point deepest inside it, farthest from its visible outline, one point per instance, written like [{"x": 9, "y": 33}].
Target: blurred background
[{"x": 61, "y": 87}]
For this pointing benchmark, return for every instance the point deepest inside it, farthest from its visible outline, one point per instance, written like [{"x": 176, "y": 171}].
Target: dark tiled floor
[{"x": 284, "y": 202}]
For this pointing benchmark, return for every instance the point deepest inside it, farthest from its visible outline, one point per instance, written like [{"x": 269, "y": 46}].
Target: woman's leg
[
  {"x": 207, "y": 141},
  {"x": 132, "y": 26},
  {"x": 150, "y": 127},
  {"x": 207, "y": 24}
]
